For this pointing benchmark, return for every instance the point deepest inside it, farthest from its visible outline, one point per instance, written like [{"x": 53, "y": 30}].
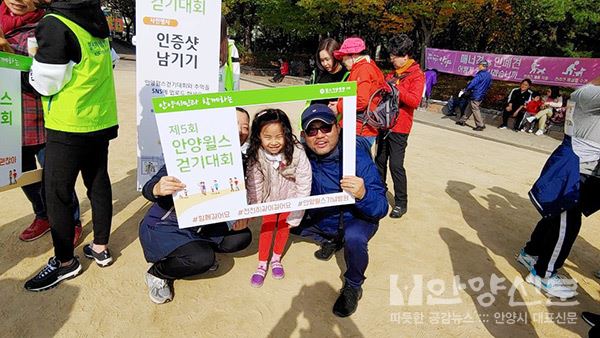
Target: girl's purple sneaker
[
  {"x": 258, "y": 278},
  {"x": 277, "y": 270}
]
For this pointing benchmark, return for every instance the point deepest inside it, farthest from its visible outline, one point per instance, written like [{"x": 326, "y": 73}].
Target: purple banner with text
[{"x": 555, "y": 71}]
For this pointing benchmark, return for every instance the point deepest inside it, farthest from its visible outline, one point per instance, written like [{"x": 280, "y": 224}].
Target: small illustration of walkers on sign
[
  {"x": 202, "y": 186},
  {"x": 572, "y": 70}
]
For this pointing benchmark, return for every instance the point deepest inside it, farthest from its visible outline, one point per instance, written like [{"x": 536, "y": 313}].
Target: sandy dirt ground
[{"x": 468, "y": 216}]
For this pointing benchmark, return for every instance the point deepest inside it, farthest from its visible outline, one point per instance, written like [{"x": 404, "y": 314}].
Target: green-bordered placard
[
  {"x": 15, "y": 61},
  {"x": 174, "y": 104}
]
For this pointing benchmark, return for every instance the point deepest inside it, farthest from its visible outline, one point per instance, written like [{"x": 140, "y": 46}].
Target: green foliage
[{"x": 530, "y": 27}]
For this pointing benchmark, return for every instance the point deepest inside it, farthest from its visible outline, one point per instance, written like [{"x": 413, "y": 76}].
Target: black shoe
[
  {"x": 327, "y": 250},
  {"x": 52, "y": 274},
  {"x": 102, "y": 259},
  {"x": 479, "y": 128},
  {"x": 398, "y": 212},
  {"x": 347, "y": 302},
  {"x": 460, "y": 123},
  {"x": 590, "y": 318}
]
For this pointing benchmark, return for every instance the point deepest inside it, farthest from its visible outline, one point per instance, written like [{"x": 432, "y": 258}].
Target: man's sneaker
[
  {"x": 78, "y": 231},
  {"x": 591, "y": 318},
  {"x": 460, "y": 123},
  {"x": 526, "y": 260},
  {"x": 530, "y": 119},
  {"x": 159, "y": 289},
  {"x": 556, "y": 285},
  {"x": 539, "y": 132},
  {"x": 328, "y": 248},
  {"x": 35, "y": 230},
  {"x": 347, "y": 302},
  {"x": 398, "y": 212},
  {"x": 215, "y": 266},
  {"x": 502, "y": 127},
  {"x": 52, "y": 274},
  {"x": 102, "y": 258},
  {"x": 479, "y": 128}
]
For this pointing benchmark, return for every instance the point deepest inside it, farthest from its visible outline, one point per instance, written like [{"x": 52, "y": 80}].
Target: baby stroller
[{"x": 557, "y": 118}]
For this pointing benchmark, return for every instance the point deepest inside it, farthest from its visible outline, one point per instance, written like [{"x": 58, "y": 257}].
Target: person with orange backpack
[
  {"x": 354, "y": 55},
  {"x": 409, "y": 80}
]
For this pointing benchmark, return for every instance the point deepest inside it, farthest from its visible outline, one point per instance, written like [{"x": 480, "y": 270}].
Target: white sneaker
[
  {"x": 530, "y": 119},
  {"x": 539, "y": 132},
  {"x": 502, "y": 127},
  {"x": 159, "y": 289},
  {"x": 557, "y": 286},
  {"x": 526, "y": 260}
]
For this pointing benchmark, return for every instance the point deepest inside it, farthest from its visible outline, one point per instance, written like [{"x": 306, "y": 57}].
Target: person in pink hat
[{"x": 369, "y": 78}]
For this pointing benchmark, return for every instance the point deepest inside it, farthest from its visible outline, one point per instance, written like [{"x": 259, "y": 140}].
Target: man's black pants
[{"x": 197, "y": 257}]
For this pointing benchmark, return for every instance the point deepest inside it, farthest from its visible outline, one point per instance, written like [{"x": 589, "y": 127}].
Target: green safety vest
[
  {"x": 88, "y": 101},
  {"x": 228, "y": 81}
]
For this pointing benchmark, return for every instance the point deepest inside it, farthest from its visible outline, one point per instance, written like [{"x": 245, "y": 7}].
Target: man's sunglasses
[{"x": 325, "y": 129}]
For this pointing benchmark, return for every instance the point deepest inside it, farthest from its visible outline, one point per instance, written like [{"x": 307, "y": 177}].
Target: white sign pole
[{"x": 177, "y": 54}]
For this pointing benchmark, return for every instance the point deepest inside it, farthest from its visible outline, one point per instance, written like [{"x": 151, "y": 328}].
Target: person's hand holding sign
[
  {"x": 167, "y": 185},
  {"x": 354, "y": 185}
]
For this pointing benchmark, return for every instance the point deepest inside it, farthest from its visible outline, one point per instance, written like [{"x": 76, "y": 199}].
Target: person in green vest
[
  {"x": 73, "y": 72},
  {"x": 229, "y": 62}
]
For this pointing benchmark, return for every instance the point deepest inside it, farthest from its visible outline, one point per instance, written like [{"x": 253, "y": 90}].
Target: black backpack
[{"x": 384, "y": 116}]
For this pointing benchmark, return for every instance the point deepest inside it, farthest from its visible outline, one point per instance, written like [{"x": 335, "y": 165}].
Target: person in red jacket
[
  {"x": 369, "y": 79},
  {"x": 410, "y": 81}
]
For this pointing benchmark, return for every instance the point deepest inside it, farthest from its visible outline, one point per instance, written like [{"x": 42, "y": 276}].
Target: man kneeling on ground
[{"x": 352, "y": 226}]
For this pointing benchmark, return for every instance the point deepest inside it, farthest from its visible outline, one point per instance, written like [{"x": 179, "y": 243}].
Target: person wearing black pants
[
  {"x": 393, "y": 147},
  {"x": 409, "y": 79},
  {"x": 197, "y": 257},
  {"x": 516, "y": 99},
  {"x": 67, "y": 154},
  {"x": 554, "y": 236},
  {"x": 73, "y": 72},
  {"x": 177, "y": 253}
]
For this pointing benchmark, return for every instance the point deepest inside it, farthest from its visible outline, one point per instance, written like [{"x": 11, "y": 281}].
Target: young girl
[{"x": 278, "y": 169}]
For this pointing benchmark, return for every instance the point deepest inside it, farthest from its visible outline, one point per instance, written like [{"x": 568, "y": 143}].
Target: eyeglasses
[{"x": 325, "y": 129}]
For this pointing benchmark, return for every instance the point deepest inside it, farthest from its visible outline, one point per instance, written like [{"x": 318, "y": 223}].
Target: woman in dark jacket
[
  {"x": 177, "y": 253},
  {"x": 329, "y": 69}
]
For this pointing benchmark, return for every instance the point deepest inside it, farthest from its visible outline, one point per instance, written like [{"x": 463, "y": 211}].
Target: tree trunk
[
  {"x": 248, "y": 38},
  {"x": 425, "y": 41}
]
